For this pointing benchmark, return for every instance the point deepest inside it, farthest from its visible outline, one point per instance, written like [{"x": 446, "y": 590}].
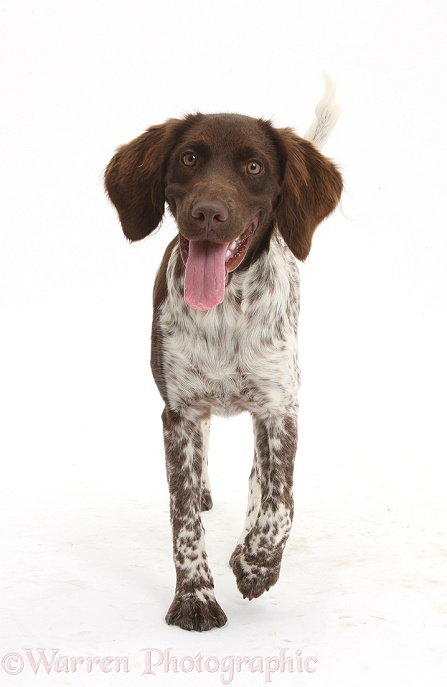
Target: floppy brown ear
[
  {"x": 310, "y": 191},
  {"x": 134, "y": 179}
]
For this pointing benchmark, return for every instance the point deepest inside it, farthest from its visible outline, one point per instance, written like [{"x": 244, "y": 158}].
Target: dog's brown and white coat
[{"x": 247, "y": 198}]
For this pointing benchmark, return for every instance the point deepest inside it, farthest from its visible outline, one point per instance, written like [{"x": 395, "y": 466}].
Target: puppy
[{"x": 246, "y": 197}]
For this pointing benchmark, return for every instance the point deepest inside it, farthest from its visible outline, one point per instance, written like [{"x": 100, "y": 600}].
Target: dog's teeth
[
  {"x": 233, "y": 245},
  {"x": 228, "y": 254}
]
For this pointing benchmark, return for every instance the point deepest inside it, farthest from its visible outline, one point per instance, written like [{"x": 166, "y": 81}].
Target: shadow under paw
[{"x": 191, "y": 613}]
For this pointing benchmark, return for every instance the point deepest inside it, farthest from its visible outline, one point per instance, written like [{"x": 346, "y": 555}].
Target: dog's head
[{"x": 228, "y": 181}]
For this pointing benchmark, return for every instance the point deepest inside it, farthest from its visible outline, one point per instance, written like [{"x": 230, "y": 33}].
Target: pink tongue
[{"x": 205, "y": 274}]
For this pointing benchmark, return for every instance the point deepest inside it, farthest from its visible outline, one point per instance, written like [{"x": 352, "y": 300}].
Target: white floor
[
  {"x": 86, "y": 574},
  {"x": 87, "y": 571}
]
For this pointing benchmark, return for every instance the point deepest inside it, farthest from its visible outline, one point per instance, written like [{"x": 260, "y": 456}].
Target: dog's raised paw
[{"x": 252, "y": 579}]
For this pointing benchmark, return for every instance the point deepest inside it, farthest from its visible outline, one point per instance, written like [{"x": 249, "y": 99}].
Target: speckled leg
[
  {"x": 256, "y": 561},
  {"x": 194, "y": 606}
]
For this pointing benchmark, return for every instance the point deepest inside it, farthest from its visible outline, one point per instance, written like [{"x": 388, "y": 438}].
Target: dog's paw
[
  {"x": 206, "y": 500},
  {"x": 190, "y": 612},
  {"x": 252, "y": 577}
]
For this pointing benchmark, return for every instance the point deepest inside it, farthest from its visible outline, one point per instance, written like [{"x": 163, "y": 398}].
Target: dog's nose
[{"x": 209, "y": 214}]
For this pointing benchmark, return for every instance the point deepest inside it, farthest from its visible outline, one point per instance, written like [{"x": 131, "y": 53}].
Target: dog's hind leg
[{"x": 206, "y": 500}]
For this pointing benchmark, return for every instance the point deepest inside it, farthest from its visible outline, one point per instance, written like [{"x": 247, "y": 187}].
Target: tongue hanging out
[
  {"x": 208, "y": 265},
  {"x": 205, "y": 274}
]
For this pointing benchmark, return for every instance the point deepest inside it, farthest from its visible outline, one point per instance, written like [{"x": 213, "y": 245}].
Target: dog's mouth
[{"x": 208, "y": 265}]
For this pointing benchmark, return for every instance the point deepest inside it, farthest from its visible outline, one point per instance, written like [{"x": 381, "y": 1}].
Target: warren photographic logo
[{"x": 153, "y": 662}]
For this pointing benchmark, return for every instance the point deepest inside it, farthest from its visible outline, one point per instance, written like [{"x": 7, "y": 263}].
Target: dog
[{"x": 246, "y": 198}]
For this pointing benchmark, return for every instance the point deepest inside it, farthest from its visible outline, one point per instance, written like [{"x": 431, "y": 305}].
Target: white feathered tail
[{"x": 327, "y": 113}]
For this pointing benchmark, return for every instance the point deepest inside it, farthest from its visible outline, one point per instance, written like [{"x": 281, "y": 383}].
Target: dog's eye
[
  {"x": 254, "y": 167},
  {"x": 189, "y": 159}
]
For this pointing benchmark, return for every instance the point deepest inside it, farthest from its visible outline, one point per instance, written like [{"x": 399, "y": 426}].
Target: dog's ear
[
  {"x": 310, "y": 191},
  {"x": 134, "y": 179}
]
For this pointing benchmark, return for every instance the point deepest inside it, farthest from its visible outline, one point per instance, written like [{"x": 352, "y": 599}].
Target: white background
[{"x": 85, "y": 540}]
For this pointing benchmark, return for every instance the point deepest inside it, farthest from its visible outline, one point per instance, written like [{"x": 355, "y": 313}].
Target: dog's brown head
[{"x": 228, "y": 181}]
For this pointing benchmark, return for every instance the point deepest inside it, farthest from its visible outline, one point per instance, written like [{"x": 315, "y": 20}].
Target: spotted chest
[{"x": 241, "y": 355}]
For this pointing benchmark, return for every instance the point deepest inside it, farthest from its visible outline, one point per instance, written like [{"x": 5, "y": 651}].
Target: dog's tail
[{"x": 327, "y": 113}]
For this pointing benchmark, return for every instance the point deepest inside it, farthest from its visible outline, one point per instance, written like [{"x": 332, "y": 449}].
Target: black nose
[{"x": 209, "y": 214}]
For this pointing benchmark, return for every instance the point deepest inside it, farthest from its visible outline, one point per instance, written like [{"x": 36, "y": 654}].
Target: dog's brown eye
[
  {"x": 254, "y": 167},
  {"x": 189, "y": 159}
]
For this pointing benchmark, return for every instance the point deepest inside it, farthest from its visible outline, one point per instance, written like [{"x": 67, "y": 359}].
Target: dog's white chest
[{"x": 242, "y": 354}]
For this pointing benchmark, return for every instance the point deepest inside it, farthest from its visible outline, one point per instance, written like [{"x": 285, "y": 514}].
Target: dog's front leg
[
  {"x": 194, "y": 606},
  {"x": 256, "y": 561}
]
